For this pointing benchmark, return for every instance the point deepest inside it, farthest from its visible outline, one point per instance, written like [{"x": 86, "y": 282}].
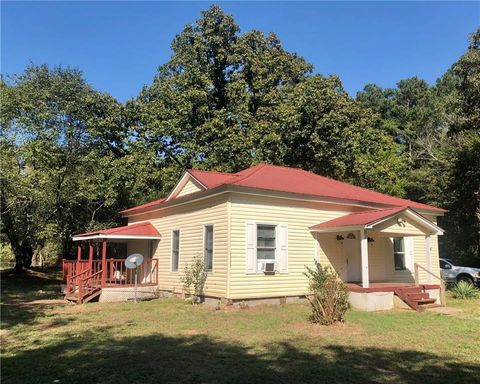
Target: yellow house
[{"x": 257, "y": 230}]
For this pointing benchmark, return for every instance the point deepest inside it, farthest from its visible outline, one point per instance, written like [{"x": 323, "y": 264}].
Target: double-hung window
[
  {"x": 208, "y": 247},
  {"x": 399, "y": 253},
  {"x": 266, "y": 242},
  {"x": 175, "y": 249}
]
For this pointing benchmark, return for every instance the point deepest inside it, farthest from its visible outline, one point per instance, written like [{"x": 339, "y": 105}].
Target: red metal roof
[
  {"x": 146, "y": 205},
  {"x": 210, "y": 179},
  {"x": 359, "y": 218},
  {"x": 141, "y": 229},
  {"x": 294, "y": 180}
]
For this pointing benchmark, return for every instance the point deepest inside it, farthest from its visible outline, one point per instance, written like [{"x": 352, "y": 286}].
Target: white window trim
[
  {"x": 404, "y": 255},
  {"x": 171, "y": 250},
  {"x": 256, "y": 243},
  {"x": 213, "y": 245}
]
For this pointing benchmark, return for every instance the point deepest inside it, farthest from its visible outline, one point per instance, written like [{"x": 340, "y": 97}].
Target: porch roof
[
  {"x": 369, "y": 219},
  {"x": 135, "y": 231}
]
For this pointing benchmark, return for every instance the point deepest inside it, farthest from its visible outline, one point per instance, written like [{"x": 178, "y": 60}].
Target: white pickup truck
[{"x": 454, "y": 274}]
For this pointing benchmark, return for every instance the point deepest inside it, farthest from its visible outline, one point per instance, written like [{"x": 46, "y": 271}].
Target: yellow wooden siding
[
  {"x": 190, "y": 219},
  {"x": 404, "y": 227},
  {"x": 378, "y": 252},
  {"x": 190, "y": 187},
  {"x": 301, "y": 244},
  {"x": 230, "y": 213},
  {"x": 382, "y": 250},
  {"x": 331, "y": 253}
]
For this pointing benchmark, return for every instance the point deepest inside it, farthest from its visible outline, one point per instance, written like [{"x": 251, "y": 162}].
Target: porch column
[
  {"x": 428, "y": 257},
  {"x": 90, "y": 255},
  {"x": 79, "y": 251},
  {"x": 104, "y": 262},
  {"x": 364, "y": 254}
]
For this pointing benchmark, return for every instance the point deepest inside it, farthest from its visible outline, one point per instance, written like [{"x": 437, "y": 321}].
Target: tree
[
  {"x": 225, "y": 101},
  {"x": 65, "y": 159},
  {"x": 467, "y": 70},
  {"x": 323, "y": 130}
]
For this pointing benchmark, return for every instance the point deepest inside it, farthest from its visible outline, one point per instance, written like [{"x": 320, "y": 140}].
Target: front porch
[
  {"x": 385, "y": 287},
  {"x": 381, "y": 254},
  {"x": 99, "y": 269}
]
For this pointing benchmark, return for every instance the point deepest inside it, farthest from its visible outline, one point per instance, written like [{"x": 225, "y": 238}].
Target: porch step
[
  {"x": 415, "y": 297},
  {"x": 73, "y": 297},
  {"x": 418, "y": 296}
]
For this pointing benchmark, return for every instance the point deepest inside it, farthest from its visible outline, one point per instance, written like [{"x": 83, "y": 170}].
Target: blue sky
[{"x": 119, "y": 45}]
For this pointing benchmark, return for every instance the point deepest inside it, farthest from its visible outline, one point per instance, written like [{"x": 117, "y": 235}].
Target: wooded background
[{"x": 72, "y": 156}]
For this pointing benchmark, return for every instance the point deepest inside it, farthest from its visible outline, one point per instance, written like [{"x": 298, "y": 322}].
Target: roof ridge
[
  {"x": 217, "y": 172},
  {"x": 254, "y": 169}
]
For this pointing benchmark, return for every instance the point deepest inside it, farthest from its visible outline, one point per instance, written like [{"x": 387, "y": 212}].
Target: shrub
[
  {"x": 194, "y": 275},
  {"x": 327, "y": 295},
  {"x": 464, "y": 290}
]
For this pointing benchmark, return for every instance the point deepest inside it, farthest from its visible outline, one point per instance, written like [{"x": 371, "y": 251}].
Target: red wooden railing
[
  {"x": 74, "y": 280},
  {"x": 88, "y": 285},
  {"x": 73, "y": 267},
  {"x": 116, "y": 272}
]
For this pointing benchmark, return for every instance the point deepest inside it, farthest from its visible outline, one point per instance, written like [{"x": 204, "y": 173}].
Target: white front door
[{"x": 353, "y": 259}]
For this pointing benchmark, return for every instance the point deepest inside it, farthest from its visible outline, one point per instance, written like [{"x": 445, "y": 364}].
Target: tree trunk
[{"x": 23, "y": 258}]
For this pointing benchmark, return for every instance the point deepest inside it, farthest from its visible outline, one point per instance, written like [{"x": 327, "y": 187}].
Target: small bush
[
  {"x": 327, "y": 295},
  {"x": 194, "y": 275},
  {"x": 465, "y": 291}
]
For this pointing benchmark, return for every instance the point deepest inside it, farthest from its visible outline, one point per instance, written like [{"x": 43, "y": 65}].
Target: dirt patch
[
  {"x": 190, "y": 332},
  {"x": 305, "y": 327},
  {"x": 446, "y": 310},
  {"x": 45, "y": 302}
]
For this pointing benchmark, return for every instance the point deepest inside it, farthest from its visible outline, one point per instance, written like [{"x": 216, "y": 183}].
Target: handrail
[
  {"x": 85, "y": 289},
  {"x": 443, "y": 298},
  {"x": 71, "y": 279},
  {"x": 80, "y": 273},
  {"x": 92, "y": 275},
  {"x": 426, "y": 270}
]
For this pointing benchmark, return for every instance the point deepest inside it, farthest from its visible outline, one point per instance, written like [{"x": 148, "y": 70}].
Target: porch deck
[{"x": 383, "y": 286}]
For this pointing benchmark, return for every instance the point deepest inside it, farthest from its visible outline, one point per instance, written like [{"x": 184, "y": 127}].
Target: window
[
  {"x": 208, "y": 247},
  {"x": 445, "y": 265},
  {"x": 399, "y": 253},
  {"x": 175, "y": 249},
  {"x": 266, "y": 242}
]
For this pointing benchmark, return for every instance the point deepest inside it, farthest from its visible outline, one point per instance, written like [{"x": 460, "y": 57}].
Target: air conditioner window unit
[{"x": 266, "y": 266}]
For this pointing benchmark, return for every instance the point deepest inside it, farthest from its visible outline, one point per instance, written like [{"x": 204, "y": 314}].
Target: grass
[{"x": 168, "y": 341}]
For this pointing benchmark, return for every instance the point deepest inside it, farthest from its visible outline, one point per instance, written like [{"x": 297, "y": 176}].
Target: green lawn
[{"x": 168, "y": 341}]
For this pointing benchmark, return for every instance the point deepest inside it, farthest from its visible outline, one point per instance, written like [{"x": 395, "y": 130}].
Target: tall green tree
[
  {"x": 227, "y": 100},
  {"x": 66, "y": 159}
]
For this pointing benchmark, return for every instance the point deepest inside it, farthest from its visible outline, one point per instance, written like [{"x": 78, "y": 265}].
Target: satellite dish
[{"x": 133, "y": 261}]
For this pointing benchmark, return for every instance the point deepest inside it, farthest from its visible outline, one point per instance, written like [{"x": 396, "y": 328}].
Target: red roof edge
[{"x": 140, "y": 229}]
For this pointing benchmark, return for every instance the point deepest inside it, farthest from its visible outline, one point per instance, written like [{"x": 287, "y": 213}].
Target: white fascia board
[
  {"x": 412, "y": 215},
  {"x": 120, "y": 237},
  {"x": 338, "y": 229}
]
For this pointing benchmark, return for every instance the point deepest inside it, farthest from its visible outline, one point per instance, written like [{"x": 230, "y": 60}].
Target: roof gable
[{"x": 376, "y": 219}]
